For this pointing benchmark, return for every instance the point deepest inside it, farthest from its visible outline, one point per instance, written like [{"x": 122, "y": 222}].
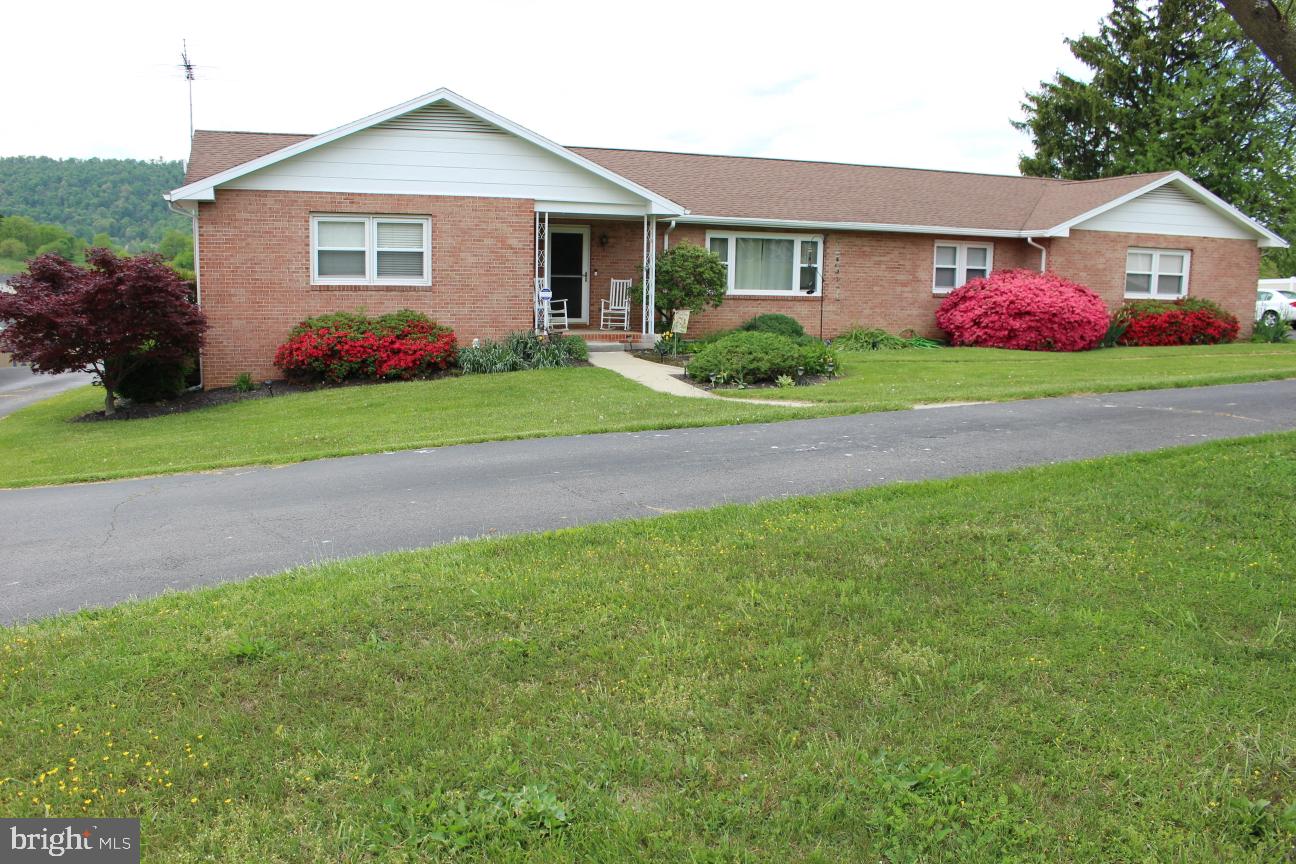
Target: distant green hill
[{"x": 118, "y": 197}]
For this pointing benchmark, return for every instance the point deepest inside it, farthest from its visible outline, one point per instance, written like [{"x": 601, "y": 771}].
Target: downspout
[
  {"x": 823, "y": 289},
  {"x": 1030, "y": 241},
  {"x": 193, "y": 221},
  {"x": 666, "y": 236}
]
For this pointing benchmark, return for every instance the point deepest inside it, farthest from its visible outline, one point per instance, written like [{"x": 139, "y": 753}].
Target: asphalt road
[
  {"x": 73, "y": 546},
  {"x": 19, "y": 387}
]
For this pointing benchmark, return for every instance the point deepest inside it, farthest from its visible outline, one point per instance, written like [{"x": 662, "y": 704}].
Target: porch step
[{"x": 611, "y": 340}]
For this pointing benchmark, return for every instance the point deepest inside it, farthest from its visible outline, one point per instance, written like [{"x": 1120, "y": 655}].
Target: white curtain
[{"x": 763, "y": 265}]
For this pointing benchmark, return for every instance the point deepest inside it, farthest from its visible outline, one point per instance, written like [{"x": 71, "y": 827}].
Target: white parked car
[{"x": 1276, "y": 300}]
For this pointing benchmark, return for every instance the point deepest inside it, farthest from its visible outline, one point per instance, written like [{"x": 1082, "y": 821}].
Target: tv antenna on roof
[{"x": 188, "y": 69}]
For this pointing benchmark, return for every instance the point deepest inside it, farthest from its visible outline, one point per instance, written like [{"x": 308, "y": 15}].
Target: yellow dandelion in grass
[
  {"x": 228, "y": 800},
  {"x": 193, "y": 800}
]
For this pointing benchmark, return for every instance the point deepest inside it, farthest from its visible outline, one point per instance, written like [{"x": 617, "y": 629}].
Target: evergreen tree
[{"x": 1175, "y": 86}]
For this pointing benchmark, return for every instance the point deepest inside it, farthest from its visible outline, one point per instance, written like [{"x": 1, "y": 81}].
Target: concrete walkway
[
  {"x": 64, "y": 547},
  {"x": 667, "y": 379}
]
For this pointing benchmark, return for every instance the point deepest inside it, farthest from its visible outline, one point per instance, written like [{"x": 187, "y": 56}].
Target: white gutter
[
  {"x": 851, "y": 226},
  {"x": 666, "y": 236},
  {"x": 1030, "y": 241}
]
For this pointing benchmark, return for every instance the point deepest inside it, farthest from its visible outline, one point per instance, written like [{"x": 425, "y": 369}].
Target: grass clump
[{"x": 875, "y": 339}]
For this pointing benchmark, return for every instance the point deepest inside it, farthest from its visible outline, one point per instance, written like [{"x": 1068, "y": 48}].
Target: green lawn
[
  {"x": 1077, "y": 663},
  {"x": 881, "y": 380},
  {"x": 39, "y": 446}
]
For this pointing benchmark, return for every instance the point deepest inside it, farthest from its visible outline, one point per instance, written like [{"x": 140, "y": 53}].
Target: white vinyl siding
[
  {"x": 371, "y": 250},
  {"x": 953, "y": 264},
  {"x": 1156, "y": 274},
  {"x": 765, "y": 264},
  {"x": 1167, "y": 210},
  {"x": 446, "y": 152}
]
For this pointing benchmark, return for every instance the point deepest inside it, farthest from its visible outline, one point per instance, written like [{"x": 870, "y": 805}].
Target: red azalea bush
[
  {"x": 342, "y": 345},
  {"x": 1024, "y": 310},
  {"x": 1189, "y": 321}
]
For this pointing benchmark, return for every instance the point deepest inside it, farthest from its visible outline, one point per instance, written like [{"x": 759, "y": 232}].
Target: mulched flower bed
[
  {"x": 807, "y": 381},
  {"x": 680, "y": 360}
]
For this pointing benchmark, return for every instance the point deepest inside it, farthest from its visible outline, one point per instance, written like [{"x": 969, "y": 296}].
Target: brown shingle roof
[
  {"x": 213, "y": 152},
  {"x": 739, "y": 186},
  {"x": 755, "y": 188}
]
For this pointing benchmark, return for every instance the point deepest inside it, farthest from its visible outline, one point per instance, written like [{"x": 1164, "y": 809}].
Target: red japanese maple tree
[{"x": 109, "y": 317}]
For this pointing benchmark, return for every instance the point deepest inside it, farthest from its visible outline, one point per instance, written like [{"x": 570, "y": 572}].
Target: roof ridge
[
  {"x": 1071, "y": 182},
  {"x": 818, "y": 162}
]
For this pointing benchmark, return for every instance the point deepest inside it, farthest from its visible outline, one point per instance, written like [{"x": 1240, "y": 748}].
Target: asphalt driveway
[
  {"x": 20, "y": 387},
  {"x": 73, "y": 546}
]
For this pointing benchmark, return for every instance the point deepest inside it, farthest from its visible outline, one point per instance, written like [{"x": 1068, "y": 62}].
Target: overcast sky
[{"x": 925, "y": 84}]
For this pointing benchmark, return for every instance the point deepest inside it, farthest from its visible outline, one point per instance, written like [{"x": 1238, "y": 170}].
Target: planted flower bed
[
  {"x": 1190, "y": 321},
  {"x": 344, "y": 346}
]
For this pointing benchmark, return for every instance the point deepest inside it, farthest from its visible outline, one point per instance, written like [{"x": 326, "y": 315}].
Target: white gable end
[
  {"x": 438, "y": 149},
  {"x": 1168, "y": 209}
]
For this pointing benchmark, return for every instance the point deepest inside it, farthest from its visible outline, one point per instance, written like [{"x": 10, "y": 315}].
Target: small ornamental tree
[
  {"x": 110, "y": 317},
  {"x": 1024, "y": 310},
  {"x": 689, "y": 277}
]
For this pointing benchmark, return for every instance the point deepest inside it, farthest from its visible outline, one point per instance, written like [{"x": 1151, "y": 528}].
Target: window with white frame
[
  {"x": 956, "y": 263},
  {"x": 1158, "y": 274},
  {"x": 759, "y": 263},
  {"x": 375, "y": 250}
]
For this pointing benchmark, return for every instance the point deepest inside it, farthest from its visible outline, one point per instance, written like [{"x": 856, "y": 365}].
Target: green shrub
[
  {"x": 1276, "y": 330},
  {"x": 748, "y": 357},
  {"x": 155, "y": 380},
  {"x": 523, "y": 350},
  {"x": 244, "y": 383},
  {"x": 876, "y": 339},
  {"x": 574, "y": 346},
  {"x": 771, "y": 322}
]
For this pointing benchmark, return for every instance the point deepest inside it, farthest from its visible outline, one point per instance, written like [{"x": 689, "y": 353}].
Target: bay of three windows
[{"x": 758, "y": 263}]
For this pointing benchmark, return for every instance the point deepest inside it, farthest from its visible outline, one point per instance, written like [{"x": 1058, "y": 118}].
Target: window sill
[
  {"x": 1155, "y": 297},
  {"x": 367, "y": 286},
  {"x": 776, "y": 295}
]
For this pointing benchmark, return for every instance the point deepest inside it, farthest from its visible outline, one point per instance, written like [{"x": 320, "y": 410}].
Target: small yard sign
[{"x": 679, "y": 321}]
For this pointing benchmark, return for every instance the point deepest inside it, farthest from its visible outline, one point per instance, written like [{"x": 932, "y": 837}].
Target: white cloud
[{"x": 927, "y": 85}]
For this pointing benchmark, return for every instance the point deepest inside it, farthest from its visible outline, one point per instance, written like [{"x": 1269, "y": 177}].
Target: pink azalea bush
[{"x": 1024, "y": 310}]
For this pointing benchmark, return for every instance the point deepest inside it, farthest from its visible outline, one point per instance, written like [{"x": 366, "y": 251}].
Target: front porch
[{"x": 577, "y": 258}]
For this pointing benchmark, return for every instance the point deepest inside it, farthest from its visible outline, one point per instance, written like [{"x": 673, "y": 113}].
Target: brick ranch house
[{"x": 440, "y": 205}]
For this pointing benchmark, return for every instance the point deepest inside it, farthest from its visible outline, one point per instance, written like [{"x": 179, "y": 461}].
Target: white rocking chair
[
  {"x": 615, "y": 311},
  {"x": 556, "y": 316}
]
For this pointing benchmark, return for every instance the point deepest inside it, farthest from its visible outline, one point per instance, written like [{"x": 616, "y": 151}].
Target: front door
[{"x": 569, "y": 268}]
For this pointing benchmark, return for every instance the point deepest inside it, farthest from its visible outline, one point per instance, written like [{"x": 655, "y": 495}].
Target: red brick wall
[
  {"x": 255, "y": 270},
  {"x": 884, "y": 280},
  {"x": 1222, "y": 270},
  {"x": 870, "y": 279}
]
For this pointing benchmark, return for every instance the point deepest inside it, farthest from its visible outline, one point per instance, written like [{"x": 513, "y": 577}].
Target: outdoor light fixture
[{"x": 603, "y": 240}]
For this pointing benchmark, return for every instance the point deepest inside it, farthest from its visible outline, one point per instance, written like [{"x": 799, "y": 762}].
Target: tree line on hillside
[
  {"x": 22, "y": 238},
  {"x": 119, "y": 198}
]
